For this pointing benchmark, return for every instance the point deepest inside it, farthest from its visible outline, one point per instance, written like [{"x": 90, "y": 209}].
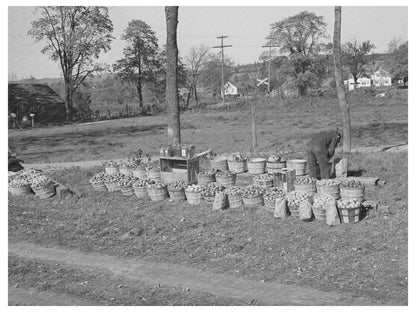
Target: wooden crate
[
  {"x": 178, "y": 168},
  {"x": 285, "y": 179}
]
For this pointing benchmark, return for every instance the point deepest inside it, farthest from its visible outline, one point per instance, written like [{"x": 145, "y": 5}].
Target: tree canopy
[{"x": 354, "y": 56}]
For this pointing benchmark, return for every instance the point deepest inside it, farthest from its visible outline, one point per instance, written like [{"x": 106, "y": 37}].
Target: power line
[{"x": 222, "y": 46}]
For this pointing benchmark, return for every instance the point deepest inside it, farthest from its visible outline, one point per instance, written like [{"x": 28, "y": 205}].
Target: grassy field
[
  {"x": 375, "y": 121},
  {"x": 368, "y": 259}
]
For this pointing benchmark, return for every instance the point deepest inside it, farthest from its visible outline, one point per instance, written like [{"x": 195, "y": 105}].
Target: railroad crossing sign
[{"x": 262, "y": 81}]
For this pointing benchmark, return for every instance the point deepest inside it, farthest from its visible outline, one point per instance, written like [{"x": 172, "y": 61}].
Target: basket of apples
[
  {"x": 237, "y": 163},
  {"x": 226, "y": 178},
  {"x": 177, "y": 190},
  {"x": 349, "y": 210},
  {"x": 352, "y": 189},
  {"x": 43, "y": 186},
  {"x": 320, "y": 202},
  {"x": 19, "y": 184},
  {"x": 126, "y": 185},
  {"x": 98, "y": 182},
  {"x": 111, "y": 167},
  {"x": 271, "y": 195},
  {"x": 153, "y": 172},
  {"x": 140, "y": 187},
  {"x": 264, "y": 180},
  {"x": 111, "y": 182},
  {"x": 294, "y": 198},
  {"x": 235, "y": 199},
  {"x": 329, "y": 187},
  {"x": 157, "y": 191},
  {"x": 253, "y": 195},
  {"x": 206, "y": 176},
  {"x": 194, "y": 194},
  {"x": 210, "y": 190}
]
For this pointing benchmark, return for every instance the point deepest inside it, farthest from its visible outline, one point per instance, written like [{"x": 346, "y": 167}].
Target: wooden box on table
[
  {"x": 285, "y": 179},
  {"x": 179, "y": 168}
]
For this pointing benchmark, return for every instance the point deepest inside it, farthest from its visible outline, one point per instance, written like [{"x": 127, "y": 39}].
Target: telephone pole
[
  {"x": 222, "y": 46},
  {"x": 270, "y": 46}
]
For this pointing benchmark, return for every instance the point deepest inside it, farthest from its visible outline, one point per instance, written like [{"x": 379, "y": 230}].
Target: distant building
[
  {"x": 381, "y": 78},
  {"x": 234, "y": 89},
  {"x": 361, "y": 82},
  {"x": 38, "y": 99}
]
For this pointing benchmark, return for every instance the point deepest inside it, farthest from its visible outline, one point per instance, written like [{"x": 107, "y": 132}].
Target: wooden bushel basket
[
  {"x": 309, "y": 188},
  {"x": 235, "y": 201},
  {"x": 227, "y": 181},
  {"x": 256, "y": 166},
  {"x": 99, "y": 187},
  {"x": 299, "y": 165},
  {"x": 139, "y": 173},
  {"x": 272, "y": 166},
  {"x": 140, "y": 192},
  {"x": 177, "y": 195},
  {"x": 253, "y": 201},
  {"x": 263, "y": 183},
  {"x": 204, "y": 179},
  {"x": 19, "y": 191},
  {"x": 332, "y": 190},
  {"x": 294, "y": 210},
  {"x": 127, "y": 190},
  {"x": 219, "y": 163},
  {"x": 45, "y": 191},
  {"x": 194, "y": 198},
  {"x": 237, "y": 166},
  {"x": 155, "y": 176},
  {"x": 112, "y": 186},
  {"x": 209, "y": 199},
  {"x": 348, "y": 193},
  {"x": 126, "y": 171},
  {"x": 157, "y": 194},
  {"x": 112, "y": 170},
  {"x": 269, "y": 205},
  {"x": 350, "y": 215}
]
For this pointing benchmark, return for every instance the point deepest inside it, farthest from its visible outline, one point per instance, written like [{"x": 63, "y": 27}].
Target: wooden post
[
  {"x": 172, "y": 98},
  {"x": 345, "y": 107},
  {"x": 253, "y": 128}
]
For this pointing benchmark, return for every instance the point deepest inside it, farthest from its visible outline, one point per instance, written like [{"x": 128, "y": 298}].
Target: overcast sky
[{"x": 246, "y": 28}]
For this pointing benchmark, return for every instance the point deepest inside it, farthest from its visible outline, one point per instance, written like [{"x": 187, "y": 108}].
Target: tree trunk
[
  {"x": 172, "y": 99},
  {"x": 68, "y": 98},
  {"x": 140, "y": 93},
  {"x": 196, "y": 96},
  {"x": 345, "y": 107}
]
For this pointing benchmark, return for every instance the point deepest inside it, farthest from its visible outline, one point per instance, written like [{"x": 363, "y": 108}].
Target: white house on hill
[
  {"x": 381, "y": 78},
  {"x": 231, "y": 89}
]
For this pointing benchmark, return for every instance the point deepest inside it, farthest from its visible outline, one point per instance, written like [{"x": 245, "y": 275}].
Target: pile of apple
[
  {"x": 210, "y": 171},
  {"x": 328, "y": 182},
  {"x": 143, "y": 183},
  {"x": 252, "y": 191},
  {"x": 234, "y": 190},
  {"x": 238, "y": 157},
  {"x": 274, "y": 192},
  {"x": 177, "y": 185},
  {"x": 40, "y": 181},
  {"x": 195, "y": 188},
  {"x": 224, "y": 174},
  {"x": 111, "y": 163},
  {"x": 274, "y": 158},
  {"x": 348, "y": 204},
  {"x": 352, "y": 184},
  {"x": 100, "y": 177},
  {"x": 294, "y": 198},
  {"x": 305, "y": 180},
  {"x": 322, "y": 200},
  {"x": 212, "y": 188},
  {"x": 156, "y": 186},
  {"x": 153, "y": 168},
  {"x": 19, "y": 181},
  {"x": 114, "y": 178},
  {"x": 126, "y": 181},
  {"x": 265, "y": 177}
]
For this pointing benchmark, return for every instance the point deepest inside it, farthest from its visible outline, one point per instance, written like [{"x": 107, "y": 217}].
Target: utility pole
[
  {"x": 270, "y": 46},
  {"x": 222, "y": 46}
]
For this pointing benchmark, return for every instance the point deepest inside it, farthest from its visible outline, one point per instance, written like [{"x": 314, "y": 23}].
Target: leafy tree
[
  {"x": 75, "y": 36},
  {"x": 141, "y": 57},
  {"x": 397, "y": 62},
  {"x": 354, "y": 56},
  {"x": 211, "y": 72},
  {"x": 299, "y": 38}
]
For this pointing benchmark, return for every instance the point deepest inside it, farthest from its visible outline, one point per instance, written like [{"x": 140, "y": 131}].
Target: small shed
[
  {"x": 234, "y": 89},
  {"x": 38, "y": 99}
]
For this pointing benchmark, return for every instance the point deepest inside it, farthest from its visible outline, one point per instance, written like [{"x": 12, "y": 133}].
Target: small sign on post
[{"x": 33, "y": 120}]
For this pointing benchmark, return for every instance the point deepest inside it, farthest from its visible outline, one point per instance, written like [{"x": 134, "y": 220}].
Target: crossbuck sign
[{"x": 262, "y": 81}]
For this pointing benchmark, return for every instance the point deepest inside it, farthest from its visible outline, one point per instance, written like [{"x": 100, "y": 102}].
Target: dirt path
[
  {"x": 180, "y": 276},
  {"x": 32, "y": 297}
]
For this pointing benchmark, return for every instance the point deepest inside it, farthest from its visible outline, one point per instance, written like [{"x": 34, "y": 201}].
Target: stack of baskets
[{"x": 157, "y": 191}]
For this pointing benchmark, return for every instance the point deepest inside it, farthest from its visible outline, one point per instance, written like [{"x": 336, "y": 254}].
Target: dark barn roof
[{"x": 39, "y": 99}]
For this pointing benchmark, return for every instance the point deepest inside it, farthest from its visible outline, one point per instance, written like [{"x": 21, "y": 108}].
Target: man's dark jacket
[{"x": 324, "y": 143}]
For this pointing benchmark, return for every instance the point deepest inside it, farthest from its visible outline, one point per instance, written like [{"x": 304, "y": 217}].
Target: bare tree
[
  {"x": 172, "y": 98},
  {"x": 194, "y": 61},
  {"x": 345, "y": 107}
]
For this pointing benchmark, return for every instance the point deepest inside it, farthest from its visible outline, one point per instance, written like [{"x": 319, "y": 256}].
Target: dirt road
[{"x": 267, "y": 293}]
